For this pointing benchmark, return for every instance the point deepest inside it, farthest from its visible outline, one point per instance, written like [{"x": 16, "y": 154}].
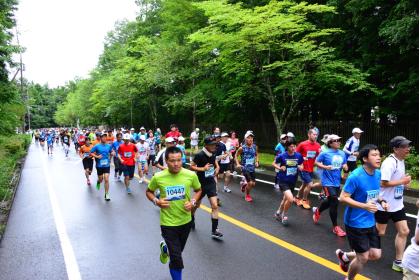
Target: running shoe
[
  {"x": 98, "y": 185},
  {"x": 128, "y": 190},
  {"x": 339, "y": 231},
  {"x": 344, "y": 265},
  {"x": 217, "y": 234},
  {"x": 306, "y": 205},
  {"x": 284, "y": 220},
  {"x": 164, "y": 257},
  {"x": 277, "y": 216},
  {"x": 297, "y": 201},
  {"x": 397, "y": 266},
  {"x": 107, "y": 198},
  {"x": 276, "y": 186},
  {"x": 316, "y": 215},
  {"x": 226, "y": 189},
  {"x": 248, "y": 198}
]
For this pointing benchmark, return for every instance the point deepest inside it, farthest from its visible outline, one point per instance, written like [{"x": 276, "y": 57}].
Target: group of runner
[{"x": 372, "y": 197}]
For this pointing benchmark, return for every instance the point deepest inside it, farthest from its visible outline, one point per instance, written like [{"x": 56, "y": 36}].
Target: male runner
[
  {"x": 174, "y": 184},
  {"x": 66, "y": 142},
  {"x": 393, "y": 181},
  {"x": 332, "y": 162},
  {"x": 249, "y": 161},
  {"x": 224, "y": 164},
  {"x": 152, "y": 156},
  {"x": 84, "y": 153},
  {"x": 289, "y": 164},
  {"x": 127, "y": 153},
  {"x": 361, "y": 194},
  {"x": 351, "y": 149},
  {"x": 160, "y": 158},
  {"x": 102, "y": 153},
  {"x": 143, "y": 155},
  {"x": 207, "y": 168},
  {"x": 50, "y": 142},
  {"x": 309, "y": 149},
  {"x": 117, "y": 163},
  {"x": 194, "y": 140}
]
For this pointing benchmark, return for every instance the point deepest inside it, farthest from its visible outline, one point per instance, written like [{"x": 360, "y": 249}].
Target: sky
[{"x": 64, "y": 38}]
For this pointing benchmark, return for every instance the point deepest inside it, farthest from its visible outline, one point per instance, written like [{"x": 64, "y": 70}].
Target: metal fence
[{"x": 266, "y": 138}]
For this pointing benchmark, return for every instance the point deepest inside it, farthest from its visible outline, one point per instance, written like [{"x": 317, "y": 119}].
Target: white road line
[{"x": 72, "y": 267}]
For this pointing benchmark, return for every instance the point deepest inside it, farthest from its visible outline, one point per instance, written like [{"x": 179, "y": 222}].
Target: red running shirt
[
  {"x": 309, "y": 150},
  {"x": 127, "y": 153}
]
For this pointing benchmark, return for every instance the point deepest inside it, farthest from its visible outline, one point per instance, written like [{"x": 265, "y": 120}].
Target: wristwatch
[
  {"x": 193, "y": 202},
  {"x": 155, "y": 200}
]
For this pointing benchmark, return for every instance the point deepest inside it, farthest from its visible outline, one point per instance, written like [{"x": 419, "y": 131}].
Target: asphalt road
[{"x": 59, "y": 228}]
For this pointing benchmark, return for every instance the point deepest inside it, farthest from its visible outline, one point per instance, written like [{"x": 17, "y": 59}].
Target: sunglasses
[{"x": 336, "y": 141}]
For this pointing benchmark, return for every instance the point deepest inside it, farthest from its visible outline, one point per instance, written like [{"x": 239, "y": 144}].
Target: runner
[
  {"x": 175, "y": 185},
  {"x": 158, "y": 136},
  {"x": 249, "y": 161},
  {"x": 160, "y": 158},
  {"x": 205, "y": 164},
  {"x": 225, "y": 161},
  {"x": 351, "y": 150},
  {"x": 309, "y": 149},
  {"x": 152, "y": 156},
  {"x": 361, "y": 194},
  {"x": 87, "y": 159},
  {"x": 332, "y": 162},
  {"x": 110, "y": 137},
  {"x": 181, "y": 146},
  {"x": 142, "y": 132},
  {"x": 37, "y": 136},
  {"x": 66, "y": 142},
  {"x": 174, "y": 133},
  {"x": 279, "y": 149},
  {"x": 234, "y": 144},
  {"x": 393, "y": 181},
  {"x": 97, "y": 139},
  {"x": 410, "y": 260},
  {"x": 102, "y": 152},
  {"x": 50, "y": 142},
  {"x": 42, "y": 137},
  {"x": 127, "y": 153},
  {"x": 194, "y": 141},
  {"x": 117, "y": 163},
  {"x": 142, "y": 157},
  {"x": 289, "y": 163}
]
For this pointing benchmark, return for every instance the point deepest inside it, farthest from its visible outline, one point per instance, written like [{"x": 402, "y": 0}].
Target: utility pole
[{"x": 21, "y": 85}]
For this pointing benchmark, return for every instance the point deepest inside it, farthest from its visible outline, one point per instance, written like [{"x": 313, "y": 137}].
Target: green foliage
[{"x": 412, "y": 164}]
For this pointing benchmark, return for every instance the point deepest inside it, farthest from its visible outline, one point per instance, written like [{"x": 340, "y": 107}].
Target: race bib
[
  {"x": 175, "y": 193},
  {"x": 249, "y": 161},
  {"x": 372, "y": 195},
  {"x": 291, "y": 171},
  {"x": 311, "y": 154},
  {"x": 291, "y": 162},
  {"x": 398, "y": 192},
  {"x": 104, "y": 162},
  {"x": 210, "y": 172},
  {"x": 127, "y": 154}
]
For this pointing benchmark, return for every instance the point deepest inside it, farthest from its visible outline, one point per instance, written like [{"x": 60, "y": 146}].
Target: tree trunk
[
  {"x": 194, "y": 112},
  {"x": 272, "y": 106}
]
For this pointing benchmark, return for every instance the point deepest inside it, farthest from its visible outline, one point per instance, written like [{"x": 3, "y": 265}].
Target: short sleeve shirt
[
  {"x": 309, "y": 150},
  {"x": 206, "y": 177},
  {"x": 104, "y": 150},
  {"x": 291, "y": 162},
  {"x": 143, "y": 150},
  {"x": 335, "y": 158},
  {"x": 363, "y": 187},
  {"x": 128, "y": 153},
  {"x": 392, "y": 169},
  {"x": 177, "y": 189}
]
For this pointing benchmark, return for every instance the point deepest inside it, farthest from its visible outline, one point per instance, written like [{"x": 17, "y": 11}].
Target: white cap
[
  {"x": 356, "y": 130},
  {"x": 181, "y": 139},
  {"x": 325, "y": 138},
  {"x": 142, "y": 137},
  {"x": 332, "y": 137},
  {"x": 126, "y": 137},
  {"x": 169, "y": 140},
  {"x": 283, "y": 136},
  {"x": 197, "y": 129},
  {"x": 142, "y": 128},
  {"x": 224, "y": 134},
  {"x": 132, "y": 129},
  {"x": 249, "y": 133},
  {"x": 290, "y": 134}
]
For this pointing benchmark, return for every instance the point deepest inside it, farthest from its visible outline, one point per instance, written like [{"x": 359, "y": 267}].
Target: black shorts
[
  {"x": 151, "y": 160},
  {"x": 286, "y": 186},
  {"x": 175, "y": 238},
  {"x": 362, "y": 239},
  {"x": 383, "y": 217},
  {"x": 128, "y": 170},
  {"x": 352, "y": 165},
  {"x": 332, "y": 191},
  {"x": 223, "y": 168},
  {"x": 102, "y": 170},
  {"x": 249, "y": 176},
  {"x": 209, "y": 190},
  {"x": 87, "y": 163}
]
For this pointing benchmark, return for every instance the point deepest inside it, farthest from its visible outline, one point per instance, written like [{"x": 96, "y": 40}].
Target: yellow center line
[{"x": 284, "y": 244}]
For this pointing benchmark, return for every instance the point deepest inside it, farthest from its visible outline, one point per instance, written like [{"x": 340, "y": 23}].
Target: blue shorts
[{"x": 307, "y": 176}]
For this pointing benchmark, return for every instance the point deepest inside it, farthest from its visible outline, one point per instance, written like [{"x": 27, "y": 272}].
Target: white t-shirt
[
  {"x": 352, "y": 145},
  {"x": 392, "y": 169},
  {"x": 227, "y": 159},
  {"x": 194, "y": 138},
  {"x": 410, "y": 259},
  {"x": 143, "y": 150}
]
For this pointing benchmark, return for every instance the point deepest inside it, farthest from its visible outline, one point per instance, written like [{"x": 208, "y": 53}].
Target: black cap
[
  {"x": 210, "y": 140},
  {"x": 399, "y": 141}
]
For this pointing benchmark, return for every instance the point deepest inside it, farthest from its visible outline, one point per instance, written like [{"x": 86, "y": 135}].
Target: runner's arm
[
  {"x": 257, "y": 158},
  {"x": 238, "y": 153}
]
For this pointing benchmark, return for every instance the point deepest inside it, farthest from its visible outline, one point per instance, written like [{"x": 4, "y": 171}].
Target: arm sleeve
[
  {"x": 196, "y": 183},
  {"x": 347, "y": 147},
  {"x": 387, "y": 169},
  {"x": 350, "y": 185},
  {"x": 299, "y": 148},
  {"x": 153, "y": 184},
  {"x": 300, "y": 160},
  {"x": 320, "y": 158},
  {"x": 93, "y": 150}
]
